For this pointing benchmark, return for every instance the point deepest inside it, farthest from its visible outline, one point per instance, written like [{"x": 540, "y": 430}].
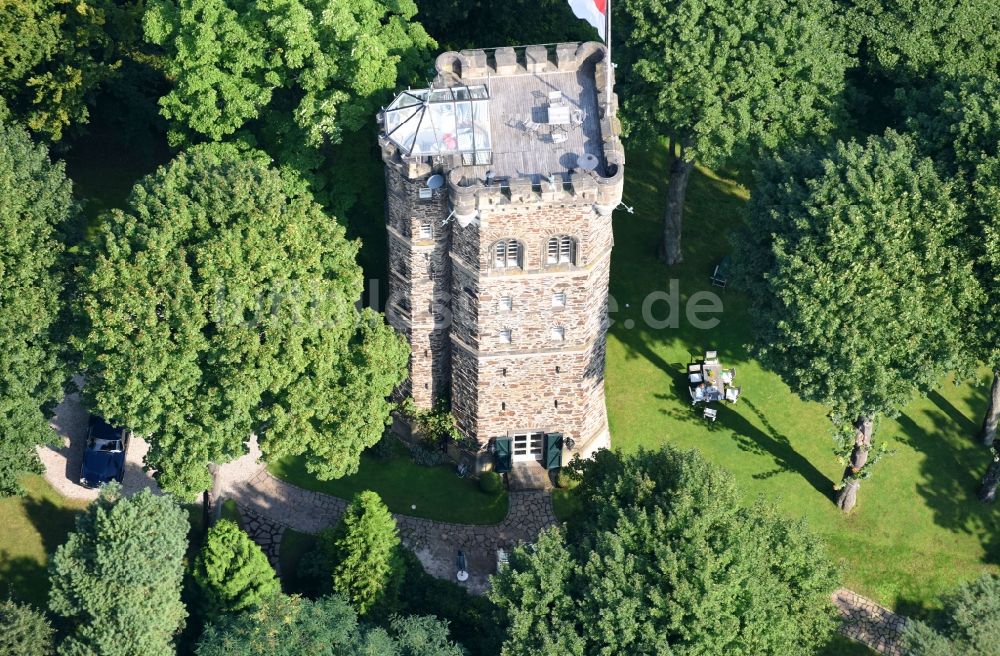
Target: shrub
[
  {"x": 24, "y": 631},
  {"x": 435, "y": 426},
  {"x": 365, "y": 550},
  {"x": 231, "y": 571},
  {"x": 490, "y": 482}
]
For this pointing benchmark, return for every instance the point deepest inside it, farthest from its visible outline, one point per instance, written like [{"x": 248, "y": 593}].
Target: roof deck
[
  {"x": 542, "y": 123},
  {"x": 546, "y": 115}
]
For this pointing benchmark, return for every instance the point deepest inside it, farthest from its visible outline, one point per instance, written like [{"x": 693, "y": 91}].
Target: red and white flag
[{"x": 592, "y": 11}]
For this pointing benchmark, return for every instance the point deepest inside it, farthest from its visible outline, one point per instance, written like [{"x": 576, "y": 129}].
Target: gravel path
[{"x": 62, "y": 463}]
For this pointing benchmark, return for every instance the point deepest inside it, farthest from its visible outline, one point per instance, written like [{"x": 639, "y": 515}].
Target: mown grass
[
  {"x": 436, "y": 492},
  {"x": 918, "y": 529},
  {"x": 33, "y": 526}
]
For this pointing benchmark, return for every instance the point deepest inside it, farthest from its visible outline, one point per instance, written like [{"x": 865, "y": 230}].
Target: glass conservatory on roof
[{"x": 430, "y": 122}]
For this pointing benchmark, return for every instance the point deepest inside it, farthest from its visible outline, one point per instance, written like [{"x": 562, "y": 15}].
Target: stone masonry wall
[{"x": 419, "y": 282}]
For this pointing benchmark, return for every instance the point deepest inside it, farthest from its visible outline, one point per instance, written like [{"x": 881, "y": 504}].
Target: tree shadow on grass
[
  {"x": 751, "y": 439},
  {"x": 25, "y": 578},
  {"x": 952, "y": 468}
]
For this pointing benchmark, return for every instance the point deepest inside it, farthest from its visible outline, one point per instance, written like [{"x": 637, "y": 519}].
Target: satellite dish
[
  {"x": 437, "y": 181},
  {"x": 587, "y": 162}
]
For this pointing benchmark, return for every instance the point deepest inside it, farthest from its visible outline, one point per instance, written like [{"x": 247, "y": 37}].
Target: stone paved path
[
  {"x": 435, "y": 543},
  {"x": 869, "y": 623},
  {"x": 265, "y": 533}
]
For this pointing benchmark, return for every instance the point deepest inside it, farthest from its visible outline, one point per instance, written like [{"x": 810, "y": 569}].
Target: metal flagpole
[{"x": 607, "y": 44}]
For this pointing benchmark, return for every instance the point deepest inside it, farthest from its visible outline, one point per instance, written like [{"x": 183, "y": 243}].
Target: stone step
[{"x": 528, "y": 476}]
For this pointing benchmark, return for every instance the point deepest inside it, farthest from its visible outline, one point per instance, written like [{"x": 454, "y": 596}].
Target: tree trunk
[
  {"x": 670, "y": 242},
  {"x": 989, "y": 432},
  {"x": 988, "y": 490},
  {"x": 847, "y": 496}
]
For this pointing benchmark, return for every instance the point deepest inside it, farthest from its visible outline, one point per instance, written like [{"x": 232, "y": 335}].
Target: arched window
[
  {"x": 507, "y": 254},
  {"x": 561, "y": 249}
]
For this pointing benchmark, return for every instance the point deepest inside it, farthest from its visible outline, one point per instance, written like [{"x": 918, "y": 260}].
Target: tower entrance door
[{"x": 527, "y": 446}]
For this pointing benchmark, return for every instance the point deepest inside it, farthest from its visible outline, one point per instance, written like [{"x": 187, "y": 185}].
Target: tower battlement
[{"x": 501, "y": 179}]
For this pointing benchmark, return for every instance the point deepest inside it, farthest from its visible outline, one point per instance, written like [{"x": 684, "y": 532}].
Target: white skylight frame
[{"x": 432, "y": 122}]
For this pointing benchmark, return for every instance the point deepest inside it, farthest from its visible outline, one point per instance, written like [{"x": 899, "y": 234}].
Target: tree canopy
[
  {"x": 968, "y": 623},
  {"x": 666, "y": 560},
  {"x": 24, "y": 631},
  {"x": 291, "y": 626},
  {"x": 53, "y": 56},
  {"x": 231, "y": 572},
  {"x": 222, "y": 303},
  {"x": 37, "y": 204},
  {"x": 116, "y": 581},
  {"x": 364, "y": 553},
  {"x": 912, "y": 39},
  {"x": 289, "y": 78},
  {"x": 860, "y": 280},
  {"x": 726, "y": 80}
]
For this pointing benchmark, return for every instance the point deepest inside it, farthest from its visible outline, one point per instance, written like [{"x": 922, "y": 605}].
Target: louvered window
[
  {"x": 561, "y": 250},
  {"x": 507, "y": 254}
]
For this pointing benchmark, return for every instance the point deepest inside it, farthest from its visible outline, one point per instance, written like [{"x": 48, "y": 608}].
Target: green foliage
[
  {"x": 53, "y": 56},
  {"x": 231, "y": 571},
  {"x": 222, "y": 303},
  {"x": 958, "y": 121},
  {"x": 490, "y": 482},
  {"x": 288, "y": 77},
  {"x": 726, "y": 79},
  {"x": 434, "y": 426},
  {"x": 117, "y": 579},
  {"x": 665, "y": 560},
  {"x": 910, "y": 40},
  {"x": 858, "y": 275},
  {"x": 37, "y": 205},
  {"x": 459, "y": 24},
  {"x": 471, "y": 617},
  {"x": 292, "y": 626},
  {"x": 365, "y": 554},
  {"x": 24, "y": 631},
  {"x": 968, "y": 624}
]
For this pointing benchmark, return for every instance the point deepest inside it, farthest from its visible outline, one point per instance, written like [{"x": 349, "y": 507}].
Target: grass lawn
[
  {"x": 437, "y": 492},
  {"x": 918, "y": 529},
  {"x": 33, "y": 526}
]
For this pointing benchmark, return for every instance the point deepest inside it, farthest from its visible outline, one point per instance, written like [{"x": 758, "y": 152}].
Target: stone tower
[{"x": 501, "y": 180}]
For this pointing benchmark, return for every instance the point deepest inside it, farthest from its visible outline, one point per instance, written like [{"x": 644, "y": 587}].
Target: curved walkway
[{"x": 435, "y": 543}]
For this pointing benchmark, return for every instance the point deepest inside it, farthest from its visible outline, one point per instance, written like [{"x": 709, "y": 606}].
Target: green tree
[
  {"x": 860, "y": 283},
  {"x": 231, "y": 572},
  {"x": 909, "y": 40},
  {"x": 54, "y": 54},
  {"x": 365, "y": 553},
  {"x": 968, "y": 623},
  {"x": 116, "y": 581},
  {"x": 291, "y": 77},
  {"x": 24, "y": 631},
  {"x": 666, "y": 561},
  {"x": 37, "y": 204},
  {"x": 291, "y": 626},
  {"x": 726, "y": 80},
  {"x": 958, "y": 121},
  {"x": 221, "y": 304}
]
